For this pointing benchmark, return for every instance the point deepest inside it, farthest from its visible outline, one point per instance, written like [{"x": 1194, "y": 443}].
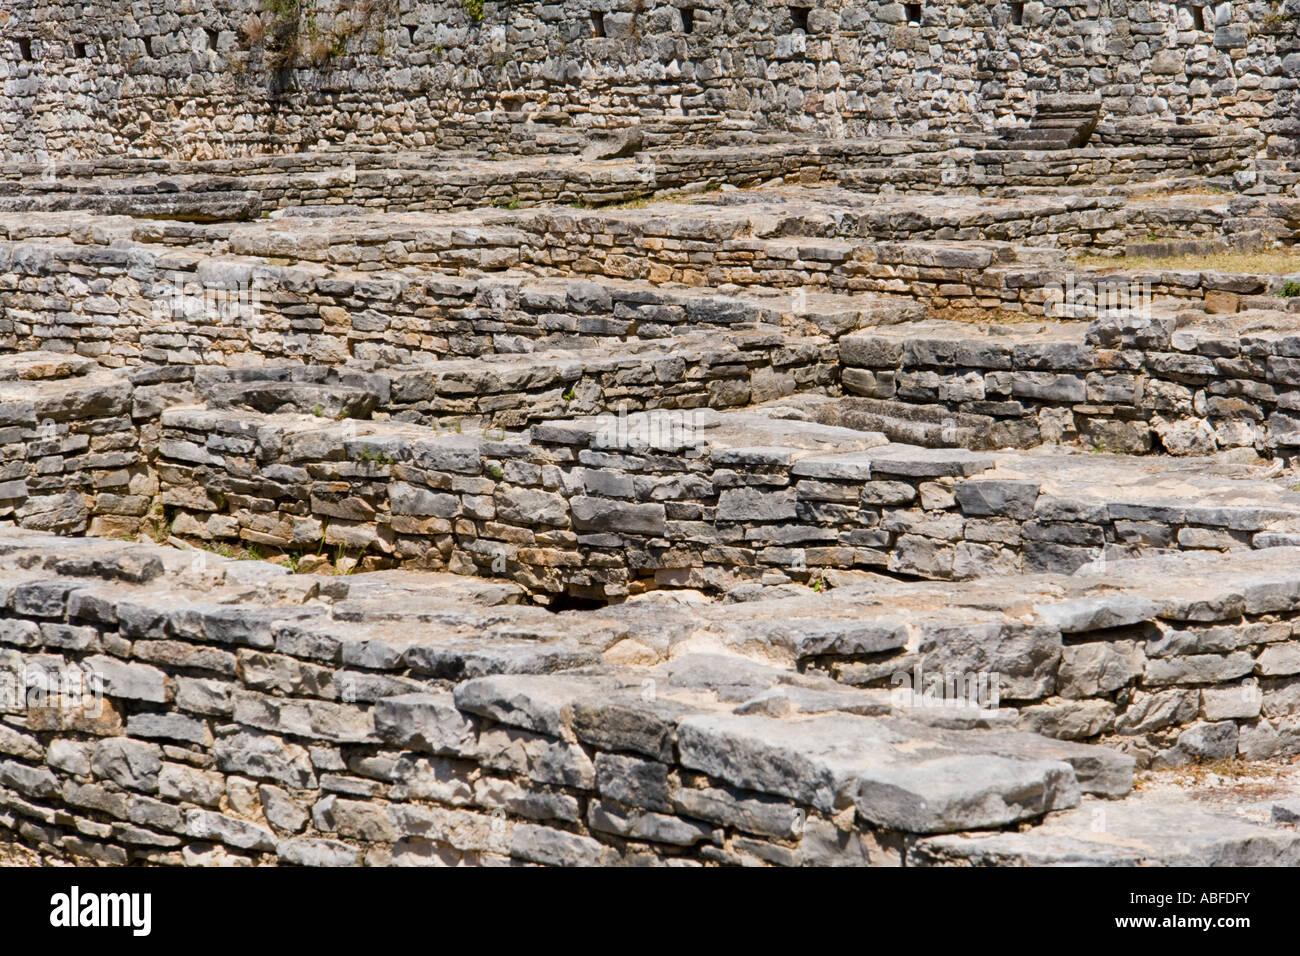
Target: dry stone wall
[
  {"x": 1131, "y": 383},
  {"x": 185, "y": 709},
  {"x": 126, "y": 291},
  {"x": 151, "y": 80},
  {"x": 403, "y": 181},
  {"x": 611, "y": 505},
  {"x": 130, "y": 305},
  {"x": 71, "y": 451},
  {"x": 617, "y": 314}
]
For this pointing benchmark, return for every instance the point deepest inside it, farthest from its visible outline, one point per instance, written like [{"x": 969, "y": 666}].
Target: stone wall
[
  {"x": 247, "y": 187},
  {"x": 400, "y": 181},
  {"x": 609, "y": 505},
  {"x": 1126, "y": 384},
  {"x": 146, "y": 79},
  {"x": 130, "y": 305},
  {"x": 105, "y": 294},
  {"x": 677, "y": 495},
  {"x": 270, "y": 730},
  {"x": 71, "y": 451},
  {"x": 719, "y": 370},
  {"x": 183, "y": 709}
]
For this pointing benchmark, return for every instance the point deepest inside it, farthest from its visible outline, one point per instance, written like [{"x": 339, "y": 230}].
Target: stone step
[
  {"x": 727, "y": 750},
  {"x": 769, "y": 488},
  {"x": 1056, "y": 381},
  {"x": 819, "y": 766},
  {"x": 1141, "y": 830},
  {"x": 187, "y": 200},
  {"x": 1058, "y": 123},
  {"x": 931, "y": 426},
  {"x": 1173, "y": 659},
  {"x": 495, "y": 239},
  {"x": 199, "y": 309},
  {"x": 697, "y": 370}
]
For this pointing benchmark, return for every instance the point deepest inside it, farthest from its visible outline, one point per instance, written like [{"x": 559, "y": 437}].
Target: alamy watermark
[
  {"x": 917, "y": 689},
  {"x": 1076, "y": 298},
  {"x": 664, "y": 428},
  {"x": 69, "y": 687},
  {"x": 77, "y": 909},
  {"x": 227, "y": 303}
]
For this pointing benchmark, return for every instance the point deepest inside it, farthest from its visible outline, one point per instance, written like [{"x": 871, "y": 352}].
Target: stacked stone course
[
  {"x": 528, "y": 76},
  {"x": 649, "y": 433},
  {"x": 254, "y": 716}
]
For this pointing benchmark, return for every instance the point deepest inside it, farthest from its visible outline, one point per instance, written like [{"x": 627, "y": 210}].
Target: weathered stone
[
  {"x": 425, "y": 722},
  {"x": 128, "y": 763}
]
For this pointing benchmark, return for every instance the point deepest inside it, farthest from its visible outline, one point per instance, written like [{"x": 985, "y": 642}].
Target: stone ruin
[{"x": 650, "y": 432}]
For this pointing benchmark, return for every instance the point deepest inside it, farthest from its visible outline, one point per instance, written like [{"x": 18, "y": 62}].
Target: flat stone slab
[
  {"x": 1200, "y": 491},
  {"x": 714, "y": 688},
  {"x": 898, "y": 775},
  {"x": 32, "y": 366},
  {"x": 1140, "y": 830}
]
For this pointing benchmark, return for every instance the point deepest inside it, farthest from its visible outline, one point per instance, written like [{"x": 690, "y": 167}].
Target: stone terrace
[
  {"x": 252, "y": 715},
  {"x": 615, "y": 508}
]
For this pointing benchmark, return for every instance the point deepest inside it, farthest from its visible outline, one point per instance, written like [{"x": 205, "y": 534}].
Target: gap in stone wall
[
  {"x": 1202, "y": 19},
  {"x": 572, "y": 602}
]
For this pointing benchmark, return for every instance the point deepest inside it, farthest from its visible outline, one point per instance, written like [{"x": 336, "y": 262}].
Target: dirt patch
[
  {"x": 1275, "y": 262},
  {"x": 13, "y": 854},
  {"x": 1245, "y": 787}
]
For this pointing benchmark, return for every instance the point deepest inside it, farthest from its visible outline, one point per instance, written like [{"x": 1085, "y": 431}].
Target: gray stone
[
  {"x": 1141, "y": 831},
  {"x": 1013, "y": 499},
  {"x": 206, "y": 825},
  {"x": 310, "y": 851},
  {"x": 830, "y": 762},
  {"x": 129, "y": 681},
  {"x": 1098, "y": 669},
  {"x": 132, "y": 764},
  {"x": 537, "y": 844},
  {"x": 426, "y": 722}
]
